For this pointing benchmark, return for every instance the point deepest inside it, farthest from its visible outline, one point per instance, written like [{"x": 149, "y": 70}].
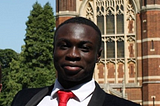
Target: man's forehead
[
  {"x": 81, "y": 41},
  {"x": 83, "y": 27}
]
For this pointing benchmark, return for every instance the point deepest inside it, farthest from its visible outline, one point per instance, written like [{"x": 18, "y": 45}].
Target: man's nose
[{"x": 73, "y": 54}]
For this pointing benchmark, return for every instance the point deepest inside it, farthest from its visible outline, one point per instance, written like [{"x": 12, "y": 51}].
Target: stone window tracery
[{"x": 116, "y": 20}]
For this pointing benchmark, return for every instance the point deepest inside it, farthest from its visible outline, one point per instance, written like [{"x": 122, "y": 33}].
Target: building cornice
[
  {"x": 148, "y": 57},
  {"x": 66, "y": 13},
  {"x": 118, "y": 85},
  {"x": 150, "y": 7},
  {"x": 148, "y": 39},
  {"x": 151, "y": 82},
  {"x": 151, "y": 78}
]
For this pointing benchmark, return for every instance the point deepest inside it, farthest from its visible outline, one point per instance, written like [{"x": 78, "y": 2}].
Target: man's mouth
[{"x": 71, "y": 70}]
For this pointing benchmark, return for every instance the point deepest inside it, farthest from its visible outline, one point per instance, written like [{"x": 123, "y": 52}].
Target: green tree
[
  {"x": 38, "y": 51},
  {"x": 6, "y": 56},
  {"x": 34, "y": 67}
]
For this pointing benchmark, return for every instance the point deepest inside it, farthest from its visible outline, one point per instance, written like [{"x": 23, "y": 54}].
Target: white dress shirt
[{"x": 83, "y": 93}]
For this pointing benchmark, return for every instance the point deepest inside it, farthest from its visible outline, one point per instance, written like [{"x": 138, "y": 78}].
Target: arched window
[{"x": 116, "y": 20}]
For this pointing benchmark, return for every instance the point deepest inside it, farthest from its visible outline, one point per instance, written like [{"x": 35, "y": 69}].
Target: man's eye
[
  {"x": 63, "y": 46},
  {"x": 85, "y": 49}
]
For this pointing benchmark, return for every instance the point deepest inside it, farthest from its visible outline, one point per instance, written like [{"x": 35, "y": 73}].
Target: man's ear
[{"x": 99, "y": 55}]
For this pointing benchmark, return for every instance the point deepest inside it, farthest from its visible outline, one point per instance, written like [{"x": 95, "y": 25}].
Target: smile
[{"x": 72, "y": 70}]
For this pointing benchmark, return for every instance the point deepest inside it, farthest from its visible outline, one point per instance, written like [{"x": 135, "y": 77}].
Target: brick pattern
[
  {"x": 151, "y": 26},
  {"x": 150, "y": 2},
  {"x": 101, "y": 72},
  {"x": 151, "y": 49},
  {"x": 131, "y": 50},
  {"x": 66, "y": 5},
  {"x": 131, "y": 70},
  {"x": 154, "y": 70},
  {"x": 151, "y": 65},
  {"x": 134, "y": 93},
  {"x": 130, "y": 26},
  {"x": 157, "y": 1},
  {"x": 59, "y": 20},
  {"x": 111, "y": 70},
  {"x": 138, "y": 26},
  {"x": 153, "y": 90},
  {"x": 120, "y": 70},
  {"x": 139, "y": 46}
]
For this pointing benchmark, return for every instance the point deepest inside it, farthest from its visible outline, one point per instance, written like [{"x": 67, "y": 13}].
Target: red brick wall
[
  {"x": 151, "y": 90},
  {"x": 139, "y": 46},
  {"x": 150, "y": 49},
  {"x": 157, "y": 1},
  {"x": 101, "y": 70},
  {"x": 120, "y": 70},
  {"x": 151, "y": 25},
  {"x": 150, "y": 2},
  {"x": 138, "y": 26},
  {"x": 111, "y": 70},
  {"x": 66, "y": 5},
  {"x": 151, "y": 67},
  {"x": 131, "y": 50},
  {"x": 134, "y": 93},
  {"x": 59, "y": 20}
]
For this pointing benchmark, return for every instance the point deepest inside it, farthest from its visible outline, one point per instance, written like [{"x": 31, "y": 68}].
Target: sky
[{"x": 13, "y": 16}]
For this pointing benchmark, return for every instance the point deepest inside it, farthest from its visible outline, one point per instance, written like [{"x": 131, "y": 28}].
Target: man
[
  {"x": 77, "y": 47},
  {"x": 0, "y": 79}
]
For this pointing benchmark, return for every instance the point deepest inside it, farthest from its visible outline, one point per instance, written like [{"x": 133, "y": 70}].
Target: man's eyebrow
[
  {"x": 67, "y": 40},
  {"x": 83, "y": 42}
]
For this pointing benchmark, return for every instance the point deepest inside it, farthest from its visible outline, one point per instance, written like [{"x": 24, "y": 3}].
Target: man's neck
[{"x": 70, "y": 84}]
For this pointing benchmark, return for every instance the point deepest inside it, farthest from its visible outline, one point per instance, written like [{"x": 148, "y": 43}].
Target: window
[
  {"x": 110, "y": 24},
  {"x": 120, "y": 49},
  {"x": 152, "y": 44},
  {"x": 117, "y": 20},
  {"x": 111, "y": 49},
  {"x": 120, "y": 24},
  {"x": 100, "y": 23}
]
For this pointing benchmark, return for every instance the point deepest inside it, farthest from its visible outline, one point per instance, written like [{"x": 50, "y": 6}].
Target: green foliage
[
  {"x": 34, "y": 66},
  {"x": 6, "y": 56}
]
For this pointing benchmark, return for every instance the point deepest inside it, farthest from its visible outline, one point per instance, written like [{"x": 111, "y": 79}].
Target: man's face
[{"x": 75, "y": 52}]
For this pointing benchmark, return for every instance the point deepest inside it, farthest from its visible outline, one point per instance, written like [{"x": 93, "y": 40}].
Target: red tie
[{"x": 64, "y": 96}]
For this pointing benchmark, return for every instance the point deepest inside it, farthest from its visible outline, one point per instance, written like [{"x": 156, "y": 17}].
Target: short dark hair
[{"x": 85, "y": 21}]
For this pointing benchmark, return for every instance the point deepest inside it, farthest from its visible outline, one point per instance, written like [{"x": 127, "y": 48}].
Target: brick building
[{"x": 130, "y": 63}]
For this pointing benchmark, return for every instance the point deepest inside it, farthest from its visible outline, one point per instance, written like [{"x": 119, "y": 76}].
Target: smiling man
[{"x": 77, "y": 48}]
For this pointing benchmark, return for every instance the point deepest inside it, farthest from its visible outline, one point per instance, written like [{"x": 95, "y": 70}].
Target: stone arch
[
  {"x": 136, "y": 4},
  {"x": 83, "y": 6}
]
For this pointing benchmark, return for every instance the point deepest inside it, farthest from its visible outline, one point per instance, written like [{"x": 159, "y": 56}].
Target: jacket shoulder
[
  {"x": 24, "y": 96},
  {"x": 112, "y": 100}
]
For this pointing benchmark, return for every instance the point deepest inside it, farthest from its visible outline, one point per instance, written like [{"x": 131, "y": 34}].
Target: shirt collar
[{"x": 81, "y": 91}]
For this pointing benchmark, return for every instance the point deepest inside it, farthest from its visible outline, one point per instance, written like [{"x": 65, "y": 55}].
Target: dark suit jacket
[{"x": 31, "y": 97}]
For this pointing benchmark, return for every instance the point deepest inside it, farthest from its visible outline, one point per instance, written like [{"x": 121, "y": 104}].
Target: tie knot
[{"x": 64, "y": 96}]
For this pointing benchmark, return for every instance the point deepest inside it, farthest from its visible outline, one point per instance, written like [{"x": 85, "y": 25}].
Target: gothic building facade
[{"x": 130, "y": 62}]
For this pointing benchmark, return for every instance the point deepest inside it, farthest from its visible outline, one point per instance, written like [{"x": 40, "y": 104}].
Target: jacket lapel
[
  {"x": 39, "y": 96},
  {"x": 98, "y": 97}
]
